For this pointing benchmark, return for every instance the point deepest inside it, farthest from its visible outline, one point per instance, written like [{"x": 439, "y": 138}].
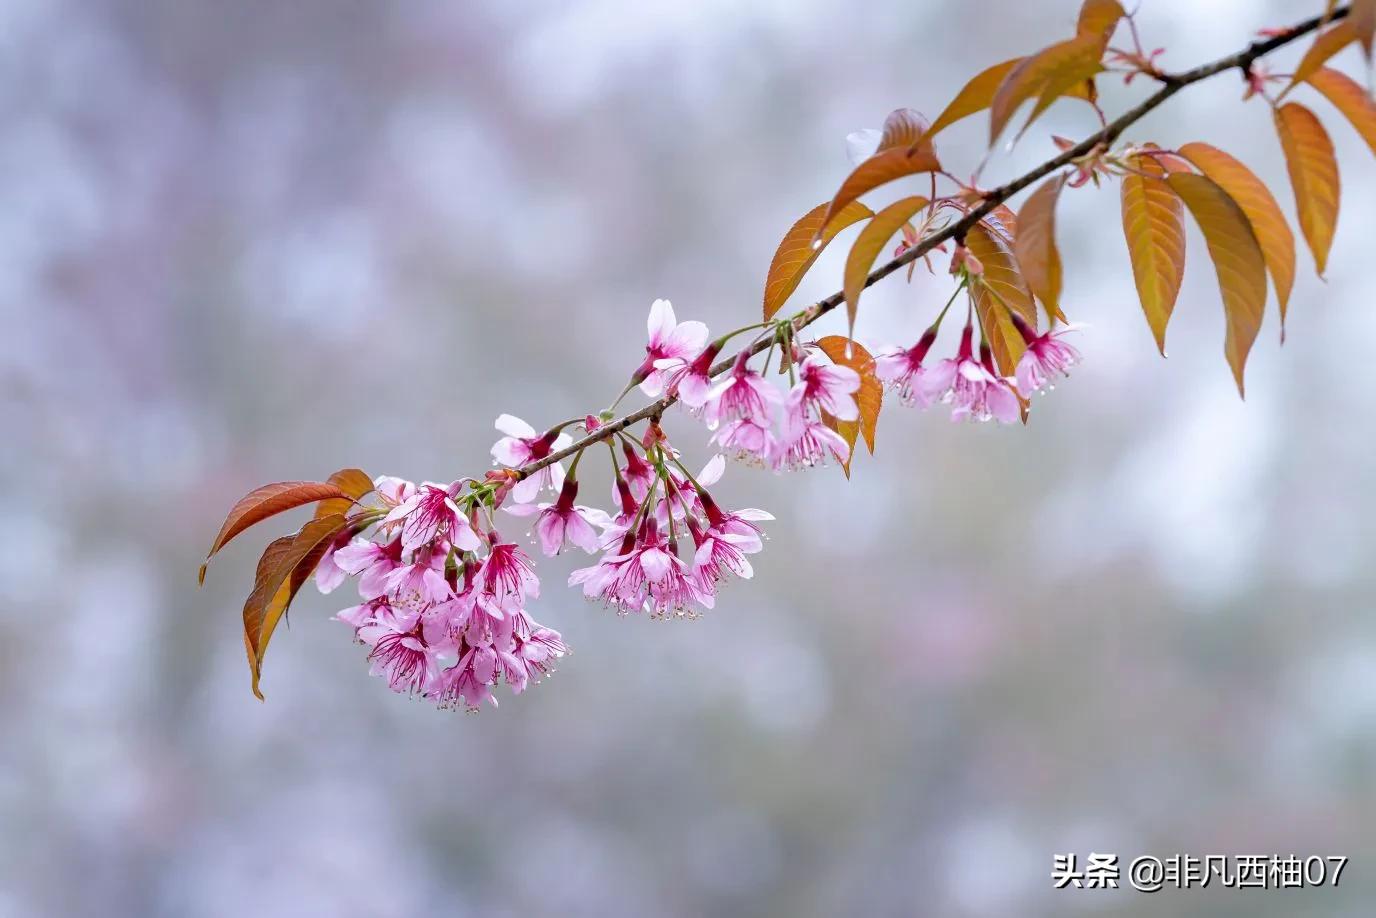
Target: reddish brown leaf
[
  {"x": 1350, "y": 99},
  {"x": 1257, "y": 202},
  {"x": 1313, "y": 175},
  {"x": 1045, "y": 76},
  {"x": 269, "y": 500},
  {"x": 880, "y": 169},
  {"x": 355, "y": 484},
  {"x": 1362, "y": 15},
  {"x": 284, "y": 567},
  {"x": 796, "y": 252},
  {"x": 867, "y": 247},
  {"x": 869, "y": 398},
  {"x": 1035, "y": 246},
  {"x": 1238, "y": 261},
  {"x": 1154, "y": 226},
  {"x": 1002, "y": 275},
  {"x": 903, "y": 128}
]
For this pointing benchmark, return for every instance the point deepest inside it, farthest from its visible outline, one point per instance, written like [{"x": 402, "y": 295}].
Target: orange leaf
[
  {"x": 1314, "y": 176},
  {"x": 1035, "y": 245},
  {"x": 1238, "y": 261},
  {"x": 880, "y": 169},
  {"x": 869, "y": 397},
  {"x": 283, "y": 569},
  {"x": 1099, "y": 18},
  {"x": 1257, "y": 202},
  {"x": 1329, "y": 43},
  {"x": 1154, "y": 225},
  {"x": 269, "y": 500},
  {"x": 1362, "y": 15},
  {"x": 1350, "y": 99},
  {"x": 796, "y": 252},
  {"x": 975, "y": 96},
  {"x": 1002, "y": 276},
  {"x": 1046, "y": 75},
  {"x": 905, "y": 128},
  {"x": 868, "y": 244},
  {"x": 355, "y": 484}
]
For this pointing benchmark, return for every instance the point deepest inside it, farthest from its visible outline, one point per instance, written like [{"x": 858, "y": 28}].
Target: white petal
[{"x": 513, "y": 426}]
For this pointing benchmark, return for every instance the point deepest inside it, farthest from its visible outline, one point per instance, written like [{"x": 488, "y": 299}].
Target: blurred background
[{"x": 259, "y": 241}]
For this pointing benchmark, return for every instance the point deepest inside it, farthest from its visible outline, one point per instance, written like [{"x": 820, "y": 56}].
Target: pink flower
[
  {"x": 689, "y": 379},
  {"x": 370, "y": 562},
  {"x": 638, "y": 473},
  {"x": 468, "y": 682},
  {"x": 668, "y": 338},
  {"x": 392, "y": 491},
  {"x": 420, "y": 583},
  {"x": 400, "y": 654},
  {"x": 431, "y": 513},
  {"x": 743, "y": 395},
  {"x": 902, "y": 370},
  {"x": 328, "y": 574},
  {"x": 508, "y": 575},
  {"x": 830, "y": 387},
  {"x": 1046, "y": 355},
  {"x": 972, "y": 387},
  {"x": 522, "y": 445},
  {"x": 806, "y": 443},
  {"x": 525, "y": 650},
  {"x": 562, "y": 522},
  {"x": 747, "y": 439}
]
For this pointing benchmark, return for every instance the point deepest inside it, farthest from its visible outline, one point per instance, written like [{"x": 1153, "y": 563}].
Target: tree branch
[{"x": 1170, "y": 85}]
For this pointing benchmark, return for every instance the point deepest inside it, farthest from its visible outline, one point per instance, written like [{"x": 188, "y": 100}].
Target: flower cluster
[{"x": 443, "y": 599}]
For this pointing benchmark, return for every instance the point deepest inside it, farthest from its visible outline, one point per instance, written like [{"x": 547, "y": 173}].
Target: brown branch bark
[{"x": 1170, "y": 85}]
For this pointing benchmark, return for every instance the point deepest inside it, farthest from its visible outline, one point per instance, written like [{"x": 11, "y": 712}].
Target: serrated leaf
[
  {"x": 1350, "y": 99},
  {"x": 1099, "y": 18},
  {"x": 1035, "y": 246},
  {"x": 1313, "y": 175},
  {"x": 1002, "y": 275},
  {"x": 1238, "y": 261},
  {"x": 1154, "y": 226},
  {"x": 1257, "y": 202},
  {"x": 796, "y": 252},
  {"x": 880, "y": 169},
  {"x": 867, "y": 247},
  {"x": 1046, "y": 76},
  {"x": 286, "y": 564},
  {"x": 269, "y": 500},
  {"x": 355, "y": 484},
  {"x": 1330, "y": 42},
  {"x": 869, "y": 397}
]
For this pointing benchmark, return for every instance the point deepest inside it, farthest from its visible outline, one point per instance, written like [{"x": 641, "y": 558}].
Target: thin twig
[{"x": 1170, "y": 85}]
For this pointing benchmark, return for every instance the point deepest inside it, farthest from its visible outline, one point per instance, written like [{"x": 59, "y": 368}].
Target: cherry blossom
[
  {"x": 1046, "y": 355},
  {"x": 668, "y": 338},
  {"x": 901, "y": 369},
  {"x": 564, "y": 523},
  {"x": 522, "y": 445}
]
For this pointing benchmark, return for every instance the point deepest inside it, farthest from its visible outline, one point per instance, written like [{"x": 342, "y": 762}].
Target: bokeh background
[{"x": 253, "y": 241}]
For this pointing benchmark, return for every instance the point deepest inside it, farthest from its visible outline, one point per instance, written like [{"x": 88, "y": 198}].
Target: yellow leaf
[
  {"x": 868, "y": 244},
  {"x": 1046, "y": 75},
  {"x": 1099, "y": 18},
  {"x": 1035, "y": 246},
  {"x": 869, "y": 397},
  {"x": 796, "y": 252},
  {"x": 1350, "y": 99},
  {"x": 1257, "y": 202},
  {"x": 880, "y": 169},
  {"x": 1238, "y": 261},
  {"x": 975, "y": 96},
  {"x": 1002, "y": 275},
  {"x": 1329, "y": 43},
  {"x": 355, "y": 484},
  {"x": 1314, "y": 176},
  {"x": 1154, "y": 225}
]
